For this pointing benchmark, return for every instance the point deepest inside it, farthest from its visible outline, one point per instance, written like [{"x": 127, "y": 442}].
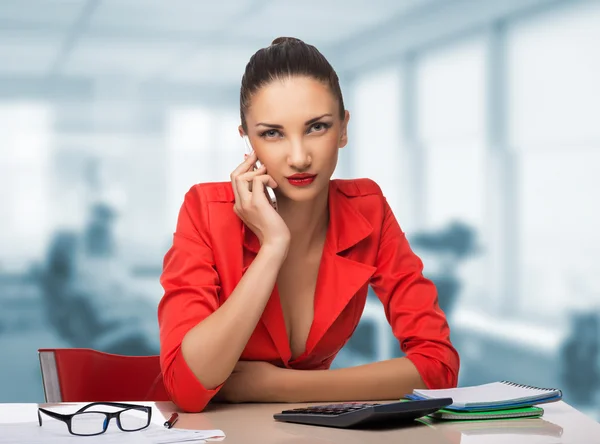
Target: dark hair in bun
[
  {"x": 286, "y": 57},
  {"x": 279, "y": 40}
]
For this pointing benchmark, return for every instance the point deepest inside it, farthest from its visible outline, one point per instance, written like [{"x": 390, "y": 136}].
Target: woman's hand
[
  {"x": 252, "y": 204},
  {"x": 250, "y": 381}
]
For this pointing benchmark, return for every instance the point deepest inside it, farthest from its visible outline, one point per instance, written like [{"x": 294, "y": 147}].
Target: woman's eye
[
  {"x": 320, "y": 126},
  {"x": 270, "y": 133}
]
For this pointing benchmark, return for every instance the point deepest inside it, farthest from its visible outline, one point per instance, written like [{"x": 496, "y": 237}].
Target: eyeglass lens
[{"x": 93, "y": 423}]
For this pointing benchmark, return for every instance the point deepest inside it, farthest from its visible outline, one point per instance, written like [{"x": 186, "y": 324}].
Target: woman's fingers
[
  {"x": 259, "y": 183},
  {"x": 244, "y": 167},
  {"x": 244, "y": 184},
  {"x": 249, "y": 186}
]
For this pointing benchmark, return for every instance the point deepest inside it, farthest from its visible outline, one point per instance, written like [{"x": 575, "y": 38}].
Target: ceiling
[{"x": 179, "y": 41}]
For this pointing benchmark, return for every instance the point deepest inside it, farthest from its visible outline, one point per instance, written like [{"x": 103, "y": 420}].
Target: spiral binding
[{"x": 543, "y": 389}]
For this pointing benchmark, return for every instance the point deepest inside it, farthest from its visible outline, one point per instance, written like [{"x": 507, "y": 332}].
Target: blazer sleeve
[
  {"x": 411, "y": 307},
  {"x": 191, "y": 287}
]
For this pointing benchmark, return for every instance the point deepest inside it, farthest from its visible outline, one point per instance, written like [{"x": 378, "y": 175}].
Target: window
[
  {"x": 375, "y": 134},
  {"x": 451, "y": 125},
  {"x": 451, "y": 130},
  {"x": 229, "y": 149},
  {"x": 189, "y": 158},
  {"x": 554, "y": 64},
  {"x": 25, "y": 130},
  {"x": 204, "y": 145}
]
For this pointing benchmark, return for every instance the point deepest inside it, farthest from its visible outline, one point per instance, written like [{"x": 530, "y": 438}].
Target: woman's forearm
[
  {"x": 213, "y": 347},
  {"x": 384, "y": 380}
]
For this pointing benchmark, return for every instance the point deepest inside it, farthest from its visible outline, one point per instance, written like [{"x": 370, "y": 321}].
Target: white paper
[
  {"x": 56, "y": 432},
  {"x": 24, "y": 427},
  {"x": 162, "y": 435}
]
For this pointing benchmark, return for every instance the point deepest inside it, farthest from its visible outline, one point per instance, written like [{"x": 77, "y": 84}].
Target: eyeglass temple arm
[
  {"x": 54, "y": 415},
  {"x": 114, "y": 404}
]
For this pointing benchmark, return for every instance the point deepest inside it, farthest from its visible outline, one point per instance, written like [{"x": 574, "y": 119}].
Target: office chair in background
[{"x": 86, "y": 375}]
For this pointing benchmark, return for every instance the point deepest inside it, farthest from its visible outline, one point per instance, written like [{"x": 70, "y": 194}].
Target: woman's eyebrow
[
  {"x": 308, "y": 122},
  {"x": 314, "y": 119}
]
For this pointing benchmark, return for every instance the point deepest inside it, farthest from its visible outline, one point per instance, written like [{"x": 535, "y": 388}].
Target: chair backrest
[{"x": 86, "y": 375}]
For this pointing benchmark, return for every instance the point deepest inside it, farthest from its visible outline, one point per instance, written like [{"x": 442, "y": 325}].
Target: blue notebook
[{"x": 492, "y": 396}]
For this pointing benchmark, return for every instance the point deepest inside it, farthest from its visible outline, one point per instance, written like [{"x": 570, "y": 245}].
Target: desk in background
[{"x": 253, "y": 423}]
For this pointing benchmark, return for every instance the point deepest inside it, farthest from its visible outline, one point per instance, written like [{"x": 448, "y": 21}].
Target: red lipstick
[{"x": 301, "y": 180}]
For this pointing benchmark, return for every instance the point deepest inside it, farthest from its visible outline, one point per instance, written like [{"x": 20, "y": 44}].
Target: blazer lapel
[
  {"x": 228, "y": 228},
  {"x": 272, "y": 317},
  {"x": 340, "y": 277}
]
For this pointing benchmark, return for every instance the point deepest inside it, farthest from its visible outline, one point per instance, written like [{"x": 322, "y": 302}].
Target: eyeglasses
[{"x": 86, "y": 422}]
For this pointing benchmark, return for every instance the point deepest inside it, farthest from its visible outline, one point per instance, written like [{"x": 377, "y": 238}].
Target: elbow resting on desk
[
  {"x": 184, "y": 388},
  {"x": 436, "y": 374}
]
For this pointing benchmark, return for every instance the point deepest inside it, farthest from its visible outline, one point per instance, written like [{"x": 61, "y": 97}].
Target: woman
[{"x": 255, "y": 297}]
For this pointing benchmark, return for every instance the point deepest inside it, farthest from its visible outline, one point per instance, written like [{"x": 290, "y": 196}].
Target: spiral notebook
[{"x": 491, "y": 396}]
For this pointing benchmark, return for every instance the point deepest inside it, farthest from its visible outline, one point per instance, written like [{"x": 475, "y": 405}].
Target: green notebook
[{"x": 522, "y": 412}]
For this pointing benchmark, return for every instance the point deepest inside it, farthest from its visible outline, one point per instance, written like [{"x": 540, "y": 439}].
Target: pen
[{"x": 172, "y": 420}]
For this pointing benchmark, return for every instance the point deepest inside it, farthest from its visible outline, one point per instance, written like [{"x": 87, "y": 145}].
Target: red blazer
[{"x": 364, "y": 246}]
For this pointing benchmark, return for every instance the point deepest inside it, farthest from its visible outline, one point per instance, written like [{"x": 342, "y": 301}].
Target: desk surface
[{"x": 253, "y": 423}]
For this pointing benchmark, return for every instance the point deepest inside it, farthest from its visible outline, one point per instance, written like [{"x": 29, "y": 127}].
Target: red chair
[{"x": 86, "y": 375}]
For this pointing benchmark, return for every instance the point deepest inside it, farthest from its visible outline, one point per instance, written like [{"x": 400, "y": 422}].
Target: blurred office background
[{"x": 479, "y": 119}]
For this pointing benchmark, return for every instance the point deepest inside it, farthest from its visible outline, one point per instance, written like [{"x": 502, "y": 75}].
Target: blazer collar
[{"x": 347, "y": 225}]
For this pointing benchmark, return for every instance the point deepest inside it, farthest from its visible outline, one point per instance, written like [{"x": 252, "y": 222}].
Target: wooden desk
[{"x": 254, "y": 423}]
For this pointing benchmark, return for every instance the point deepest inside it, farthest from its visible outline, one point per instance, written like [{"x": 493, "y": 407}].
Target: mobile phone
[{"x": 270, "y": 192}]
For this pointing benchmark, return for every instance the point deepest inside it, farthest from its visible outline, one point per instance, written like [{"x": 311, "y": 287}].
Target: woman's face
[{"x": 295, "y": 128}]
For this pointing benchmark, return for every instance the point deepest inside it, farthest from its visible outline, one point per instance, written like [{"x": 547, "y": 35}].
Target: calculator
[{"x": 356, "y": 414}]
